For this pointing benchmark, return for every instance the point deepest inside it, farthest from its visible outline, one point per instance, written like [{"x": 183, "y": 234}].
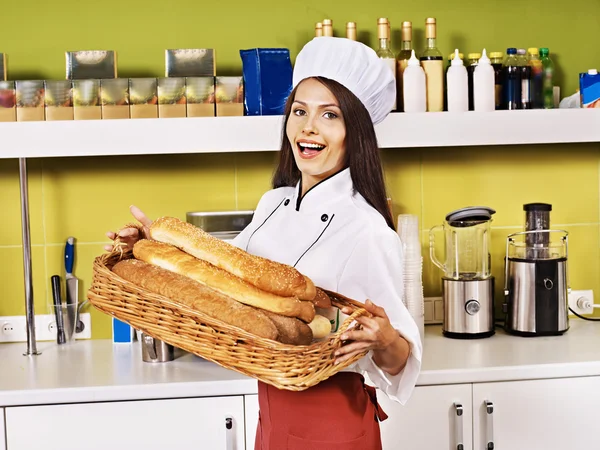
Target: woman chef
[{"x": 328, "y": 217}]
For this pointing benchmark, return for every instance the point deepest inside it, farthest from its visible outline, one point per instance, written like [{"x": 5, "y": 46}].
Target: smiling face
[{"x": 317, "y": 133}]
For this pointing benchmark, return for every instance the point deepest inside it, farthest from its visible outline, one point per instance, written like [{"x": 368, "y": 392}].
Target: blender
[
  {"x": 535, "y": 279},
  {"x": 467, "y": 284}
]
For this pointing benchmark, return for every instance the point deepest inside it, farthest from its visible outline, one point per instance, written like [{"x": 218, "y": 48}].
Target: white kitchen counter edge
[
  {"x": 248, "y": 386},
  {"x": 98, "y": 371}
]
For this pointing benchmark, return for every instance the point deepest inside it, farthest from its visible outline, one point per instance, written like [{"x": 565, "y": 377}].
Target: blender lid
[
  {"x": 537, "y": 207},
  {"x": 470, "y": 213}
]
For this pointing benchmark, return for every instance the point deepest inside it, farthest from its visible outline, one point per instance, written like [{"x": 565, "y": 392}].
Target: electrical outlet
[
  {"x": 14, "y": 328},
  {"x": 582, "y": 302}
]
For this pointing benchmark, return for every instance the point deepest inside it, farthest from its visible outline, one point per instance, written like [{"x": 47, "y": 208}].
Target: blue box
[
  {"x": 121, "y": 332},
  {"x": 267, "y": 80},
  {"x": 589, "y": 89}
]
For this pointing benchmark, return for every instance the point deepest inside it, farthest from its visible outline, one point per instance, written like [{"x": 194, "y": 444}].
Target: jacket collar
[{"x": 325, "y": 192}]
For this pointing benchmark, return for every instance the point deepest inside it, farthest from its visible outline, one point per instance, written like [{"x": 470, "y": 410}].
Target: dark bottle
[
  {"x": 496, "y": 59},
  {"x": 473, "y": 60},
  {"x": 525, "y": 79},
  {"x": 511, "y": 80},
  {"x": 535, "y": 86}
]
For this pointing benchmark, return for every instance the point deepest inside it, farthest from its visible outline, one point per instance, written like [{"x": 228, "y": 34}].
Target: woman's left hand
[{"x": 377, "y": 333}]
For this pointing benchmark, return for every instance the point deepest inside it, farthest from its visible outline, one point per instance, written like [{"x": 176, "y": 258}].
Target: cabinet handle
[
  {"x": 229, "y": 433},
  {"x": 458, "y": 426},
  {"x": 489, "y": 429}
]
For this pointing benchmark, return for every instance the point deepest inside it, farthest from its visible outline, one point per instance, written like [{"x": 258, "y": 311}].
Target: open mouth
[{"x": 309, "y": 149}]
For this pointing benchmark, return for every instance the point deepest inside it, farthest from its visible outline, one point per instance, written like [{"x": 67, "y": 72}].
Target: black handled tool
[{"x": 60, "y": 327}]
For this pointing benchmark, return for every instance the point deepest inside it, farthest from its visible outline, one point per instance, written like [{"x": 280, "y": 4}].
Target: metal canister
[{"x": 154, "y": 350}]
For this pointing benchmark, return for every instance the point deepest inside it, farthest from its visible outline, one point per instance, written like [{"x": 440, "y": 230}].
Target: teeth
[{"x": 307, "y": 145}]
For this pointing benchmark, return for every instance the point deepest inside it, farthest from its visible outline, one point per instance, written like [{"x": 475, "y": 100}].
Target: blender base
[
  {"x": 535, "y": 333},
  {"x": 452, "y": 335}
]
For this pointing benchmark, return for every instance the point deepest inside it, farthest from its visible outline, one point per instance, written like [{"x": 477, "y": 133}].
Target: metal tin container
[{"x": 221, "y": 224}]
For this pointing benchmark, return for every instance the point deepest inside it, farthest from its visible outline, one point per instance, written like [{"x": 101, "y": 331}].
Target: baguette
[
  {"x": 267, "y": 275},
  {"x": 291, "y": 330},
  {"x": 181, "y": 289},
  {"x": 171, "y": 258}
]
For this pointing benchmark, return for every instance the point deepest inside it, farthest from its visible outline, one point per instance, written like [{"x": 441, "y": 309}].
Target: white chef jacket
[{"x": 333, "y": 236}]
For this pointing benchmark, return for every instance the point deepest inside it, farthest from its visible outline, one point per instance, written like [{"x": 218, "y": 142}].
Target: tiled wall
[{"x": 85, "y": 197}]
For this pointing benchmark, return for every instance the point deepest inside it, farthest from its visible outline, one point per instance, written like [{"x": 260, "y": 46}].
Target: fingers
[
  {"x": 371, "y": 307},
  {"x": 129, "y": 232},
  {"x": 348, "y": 351},
  {"x": 357, "y": 335},
  {"x": 140, "y": 216},
  {"x": 374, "y": 309}
]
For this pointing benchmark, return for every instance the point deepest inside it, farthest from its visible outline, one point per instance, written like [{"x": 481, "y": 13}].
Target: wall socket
[
  {"x": 14, "y": 328},
  {"x": 582, "y": 302}
]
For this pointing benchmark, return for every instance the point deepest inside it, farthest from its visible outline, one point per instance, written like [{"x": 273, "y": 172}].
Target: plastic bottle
[
  {"x": 496, "y": 58},
  {"x": 484, "y": 91},
  {"x": 473, "y": 59},
  {"x": 535, "y": 86},
  {"x": 547, "y": 78},
  {"x": 511, "y": 81},
  {"x": 525, "y": 71},
  {"x": 414, "y": 86},
  {"x": 457, "y": 82},
  {"x": 450, "y": 56}
]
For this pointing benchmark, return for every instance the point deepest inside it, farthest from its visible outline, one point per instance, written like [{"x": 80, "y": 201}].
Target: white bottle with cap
[
  {"x": 484, "y": 85},
  {"x": 414, "y": 87},
  {"x": 457, "y": 83}
]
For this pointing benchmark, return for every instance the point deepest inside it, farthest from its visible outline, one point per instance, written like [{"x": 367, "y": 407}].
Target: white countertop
[{"x": 88, "y": 371}]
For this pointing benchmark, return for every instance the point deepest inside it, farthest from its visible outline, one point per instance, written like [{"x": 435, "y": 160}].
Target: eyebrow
[{"x": 326, "y": 105}]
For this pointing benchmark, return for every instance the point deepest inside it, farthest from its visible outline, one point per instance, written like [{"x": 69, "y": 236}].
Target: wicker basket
[{"x": 290, "y": 367}]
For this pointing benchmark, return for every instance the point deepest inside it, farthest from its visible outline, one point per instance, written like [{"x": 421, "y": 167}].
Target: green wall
[
  {"x": 85, "y": 197},
  {"x": 35, "y": 34}
]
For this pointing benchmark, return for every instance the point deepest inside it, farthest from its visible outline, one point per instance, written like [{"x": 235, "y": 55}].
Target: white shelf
[{"x": 248, "y": 134}]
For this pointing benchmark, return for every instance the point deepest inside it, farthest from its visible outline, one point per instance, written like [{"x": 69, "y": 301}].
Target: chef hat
[{"x": 353, "y": 65}]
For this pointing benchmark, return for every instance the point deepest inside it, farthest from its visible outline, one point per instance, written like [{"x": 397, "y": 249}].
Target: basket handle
[
  {"x": 119, "y": 246},
  {"x": 346, "y": 324}
]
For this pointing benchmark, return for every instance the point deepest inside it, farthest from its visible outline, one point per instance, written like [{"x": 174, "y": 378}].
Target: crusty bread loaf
[
  {"x": 180, "y": 289},
  {"x": 291, "y": 330},
  {"x": 320, "y": 326},
  {"x": 322, "y": 300},
  {"x": 171, "y": 258},
  {"x": 267, "y": 275}
]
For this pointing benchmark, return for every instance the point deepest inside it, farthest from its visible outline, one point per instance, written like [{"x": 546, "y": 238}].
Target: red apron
[{"x": 338, "y": 413}]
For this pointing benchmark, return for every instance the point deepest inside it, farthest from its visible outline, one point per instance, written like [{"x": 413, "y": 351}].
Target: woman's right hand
[{"x": 129, "y": 236}]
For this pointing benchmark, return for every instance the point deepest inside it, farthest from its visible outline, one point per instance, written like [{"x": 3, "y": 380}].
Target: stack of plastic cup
[{"x": 408, "y": 230}]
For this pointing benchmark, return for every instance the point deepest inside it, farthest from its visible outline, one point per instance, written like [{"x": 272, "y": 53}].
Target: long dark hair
[{"x": 362, "y": 152}]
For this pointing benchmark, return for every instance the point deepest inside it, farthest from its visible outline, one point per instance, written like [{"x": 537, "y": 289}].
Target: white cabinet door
[
  {"x": 429, "y": 420},
  {"x": 197, "y": 423},
  {"x": 537, "y": 414},
  {"x": 251, "y": 409},
  {"x": 2, "y": 435}
]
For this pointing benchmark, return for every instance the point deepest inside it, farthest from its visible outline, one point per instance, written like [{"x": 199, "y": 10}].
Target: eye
[
  {"x": 299, "y": 112},
  {"x": 330, "y": 115}
]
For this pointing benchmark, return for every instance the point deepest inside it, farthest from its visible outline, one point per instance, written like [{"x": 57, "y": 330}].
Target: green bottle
[{"x": 547, "y": 78}]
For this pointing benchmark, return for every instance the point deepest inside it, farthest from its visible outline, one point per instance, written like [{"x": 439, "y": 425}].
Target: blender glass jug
[{"x": 466, "y": 244}]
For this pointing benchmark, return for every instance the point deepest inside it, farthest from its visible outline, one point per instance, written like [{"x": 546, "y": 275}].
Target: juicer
[
  {"x": 467, "y": 284},
  {"x": 536, "y": 278}
]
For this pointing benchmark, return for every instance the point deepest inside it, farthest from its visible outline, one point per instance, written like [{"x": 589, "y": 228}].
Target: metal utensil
[
  {"x": 72, "y": 285},
  {"x": 154, "y": 350},
  {"x": 60, "y": 327}
]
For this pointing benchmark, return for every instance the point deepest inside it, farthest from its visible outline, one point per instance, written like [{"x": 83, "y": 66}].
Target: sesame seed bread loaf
[
  {"x": 265, "y": 274},
  {"x": 180, "y": 289},
  {"x": 171, "y": 258}
]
